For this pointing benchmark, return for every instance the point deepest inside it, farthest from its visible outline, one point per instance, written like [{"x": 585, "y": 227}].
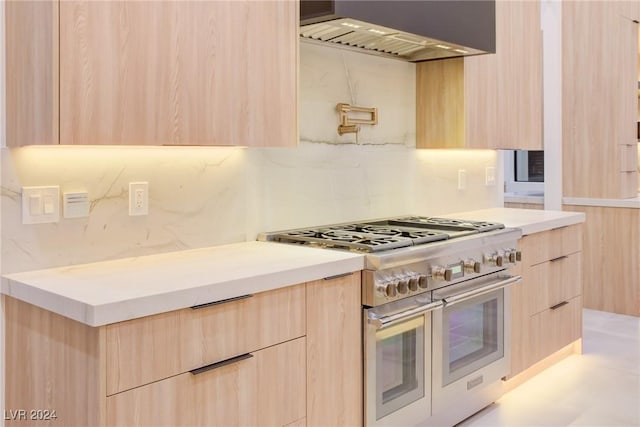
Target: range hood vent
[{"x": 410, "y": 30}]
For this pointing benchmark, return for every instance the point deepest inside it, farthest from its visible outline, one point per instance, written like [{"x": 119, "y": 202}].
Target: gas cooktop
[{"x": 382, "y": 235}]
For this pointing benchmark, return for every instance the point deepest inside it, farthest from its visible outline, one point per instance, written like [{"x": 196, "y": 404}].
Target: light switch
[
  {"x": 48, "y": 205},
  {"x": 35, "y": 204},
  {"x": 40, "y": 204}
]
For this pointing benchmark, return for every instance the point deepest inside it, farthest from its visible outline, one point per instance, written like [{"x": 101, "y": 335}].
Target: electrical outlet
[
  {"x": 138, "y": 198},
  {"x": 490, "y": 176},
  {"x": 462, "y": 179}
]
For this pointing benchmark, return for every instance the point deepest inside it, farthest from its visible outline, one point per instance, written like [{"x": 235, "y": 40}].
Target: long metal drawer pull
[
  {"x": 337, "y": 276},
  {"x": 222, "y": 301},
  {"x": 481, "y": 291},
  {"x": 221, "y": 364},
  {"x": 559, "y": 258},
  {"x": 384, "y": 321},
  {"x": 558, "y": 305}
]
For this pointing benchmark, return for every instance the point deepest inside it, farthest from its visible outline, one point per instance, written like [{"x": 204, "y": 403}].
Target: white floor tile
[{"x": 600, "y": 388}]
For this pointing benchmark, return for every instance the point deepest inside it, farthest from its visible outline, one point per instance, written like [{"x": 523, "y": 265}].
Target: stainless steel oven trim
[
  {"x": 381, "y": 322},
  {"x": 465, "y": 296}
]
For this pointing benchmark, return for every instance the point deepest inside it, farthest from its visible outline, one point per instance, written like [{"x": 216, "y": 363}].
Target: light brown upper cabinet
[
  {"x": 599, "y": 111},
  {"x": 173, "y": 73},
  {"x": 486, "y": 101}
]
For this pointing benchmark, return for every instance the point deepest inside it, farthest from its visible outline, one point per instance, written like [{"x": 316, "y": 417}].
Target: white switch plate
[
  {"x": 490, "y": 176},
  {"x": 138, "y": 198},
  {"x": 462, "y": 179},
  {"x": 40, "y": 205}
]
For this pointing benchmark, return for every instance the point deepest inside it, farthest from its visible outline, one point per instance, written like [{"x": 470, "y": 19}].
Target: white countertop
[
  {"x": 633, "y": 203},
  {"x": 113, "y": 291},
  {"x": 529, "y": 220},
  {"x": 528, "y": 197}
]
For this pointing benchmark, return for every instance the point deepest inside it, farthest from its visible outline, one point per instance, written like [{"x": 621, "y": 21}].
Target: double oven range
[{"x": 436, "y": 313}]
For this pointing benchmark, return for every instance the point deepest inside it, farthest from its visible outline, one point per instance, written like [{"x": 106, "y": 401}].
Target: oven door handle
[
  {"x": 464, "y": 296},
  {"x": 386, "y": 321}
]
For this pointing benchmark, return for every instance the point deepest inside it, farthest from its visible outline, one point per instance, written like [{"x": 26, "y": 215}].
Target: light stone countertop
[
  {"x": 528, "y": 220},
  {"x": 633, "y": 203},
  {"x": 530, "y": 197},
  {"x": 113, "y": 291},
  {"x": 107, "y": 292}
]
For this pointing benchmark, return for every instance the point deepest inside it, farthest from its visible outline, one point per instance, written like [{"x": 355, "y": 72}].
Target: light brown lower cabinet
[
  {"x": 267, "y": 389},
  {"x": 287, "y": 357},
  {"x": 547, "y": 305},
  {"x": 611, "y": 267}
]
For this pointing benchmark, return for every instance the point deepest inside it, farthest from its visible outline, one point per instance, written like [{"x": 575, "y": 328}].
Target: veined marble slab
[{"x": 113, "y": 291}]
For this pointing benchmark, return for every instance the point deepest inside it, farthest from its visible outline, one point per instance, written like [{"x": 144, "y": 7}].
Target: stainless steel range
[{"x": 436, "y": 297}]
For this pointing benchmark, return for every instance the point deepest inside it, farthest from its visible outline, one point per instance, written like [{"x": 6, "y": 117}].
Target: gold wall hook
[{"x": 349, "y": 124}]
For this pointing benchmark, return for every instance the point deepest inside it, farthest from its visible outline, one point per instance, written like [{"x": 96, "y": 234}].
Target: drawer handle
[
  {"x": 559, "y": 305},
  {"x": 221, "y": 364},
  {"x": 337, "y": 276},
  {"x": 223, "y": 301},
  {"x": 559, "y": 258}
]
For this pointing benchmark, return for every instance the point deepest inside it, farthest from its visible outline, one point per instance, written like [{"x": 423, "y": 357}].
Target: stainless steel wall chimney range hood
[{"x": 414, "y": 30}]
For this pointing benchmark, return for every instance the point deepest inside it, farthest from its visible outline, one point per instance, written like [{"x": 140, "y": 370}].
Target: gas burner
[
  {"x": 338, "y": 235},
  {"x": 382, "y": 235},
  {"x": 447, "y": 223}
]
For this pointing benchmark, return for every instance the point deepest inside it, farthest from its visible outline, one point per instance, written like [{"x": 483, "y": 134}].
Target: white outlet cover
[
  {"x": 75, "y": 204},
  {"x": 138, "y": 198},
  {"x": 40, "y": 205}
]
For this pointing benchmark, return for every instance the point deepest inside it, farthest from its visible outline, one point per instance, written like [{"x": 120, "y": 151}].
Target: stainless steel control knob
[
  {"x": 494, "y": 259},
  {"x": 403, "y": 286},
  {"x": 422, "y": 281},
  {"x": 441, "y": 273},
  {"x": 472, "y": 266},
  {"x": 391, "y": 290},
  {"x": 512, "y": 256},
  {"x": 413, "y": 283}
]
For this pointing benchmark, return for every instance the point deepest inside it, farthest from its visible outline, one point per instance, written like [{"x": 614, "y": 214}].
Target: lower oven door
[
  {"x": 471, "y": 347},
  {"x": 397, "y": 367}
]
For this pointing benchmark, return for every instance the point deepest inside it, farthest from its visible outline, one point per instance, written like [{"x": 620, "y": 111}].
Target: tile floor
[{"x": 600, "y": 388}]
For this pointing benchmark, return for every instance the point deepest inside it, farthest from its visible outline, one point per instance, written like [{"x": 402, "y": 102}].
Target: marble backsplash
[{"x": 205, "y": 196}]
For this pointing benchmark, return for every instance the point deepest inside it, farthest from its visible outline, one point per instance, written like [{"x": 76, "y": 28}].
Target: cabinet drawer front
[
  {"x": 552, "y": 282},
  {"x": 555, "y": 328},
  {"x": 548, "y": 245},
  {"x": 267, "y": 389},
  {"x": 144, "y": 350}
]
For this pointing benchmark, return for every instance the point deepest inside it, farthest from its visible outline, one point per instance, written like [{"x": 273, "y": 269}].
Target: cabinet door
[
  {"x": 31, "y": 72},
  {"x": 334, "y": 352},
  {"x": 600, "y": 74},
  {"x": 519, "y": 75},
  {"x": 486, "y": 101},
  {"x": 178, "y": 72},
  {"x": 267, "y": 389}
]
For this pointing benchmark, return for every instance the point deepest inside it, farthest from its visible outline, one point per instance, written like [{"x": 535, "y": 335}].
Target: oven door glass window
[
  {"x": 400, "y": 364},
  {"x": 473, "y": 335}
]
